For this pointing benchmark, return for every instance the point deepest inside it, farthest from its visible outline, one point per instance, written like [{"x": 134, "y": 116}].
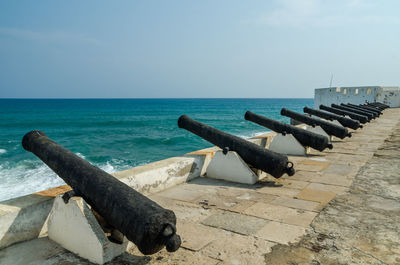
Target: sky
[{"x": 195, "y": 49}]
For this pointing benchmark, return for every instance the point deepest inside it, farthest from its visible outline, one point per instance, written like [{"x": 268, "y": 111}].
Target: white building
[{"x": 357, "y": 95}]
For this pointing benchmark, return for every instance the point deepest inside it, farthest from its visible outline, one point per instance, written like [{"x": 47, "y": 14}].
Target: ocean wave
[
  {"x": 29, "y": 176},
  {"x": 3, "y": 151},
  {"x": 252, "y": 134}
]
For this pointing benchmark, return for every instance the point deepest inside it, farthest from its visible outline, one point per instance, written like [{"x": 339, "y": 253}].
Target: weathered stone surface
[
  {"x": 312, "y": 165},
  {"x": 238, "y": 223},
  {"x": 296, "y": 203},
  {"x": 292, "y": 184},
  {"x": 360, "y": 226},
  {"x": 281, "y": 214},
  {"x": 224, "y": 203},
  {"x": 322, "y": 197},
  {"x": 279, "y": 191},
  {"x": 178, "y": 193},
  {"x": 333, "y": 179},
  {"x": 281, "y": 233},
  {"x": 195, "y": 236},
  {"x": 325, "y": 187},
  {"x": 241, "y": 250}
]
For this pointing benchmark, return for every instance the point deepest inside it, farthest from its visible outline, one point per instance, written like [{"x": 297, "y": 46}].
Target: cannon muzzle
[
  {"x": 254, "y": 155},
  {"x": 140, "y": 219}
]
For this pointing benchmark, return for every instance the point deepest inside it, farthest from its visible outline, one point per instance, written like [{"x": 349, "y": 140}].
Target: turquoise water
[{"x": 116, "y": 134}]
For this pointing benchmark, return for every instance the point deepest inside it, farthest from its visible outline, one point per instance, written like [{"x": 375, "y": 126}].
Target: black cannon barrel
[
  {"x": 346, "y": 122},
  {"x": 140, "y": 219},
  {"x": 306, "y": 138},
  {"x": 374, "y": 110},
  {"x": 371, "y": 105},
  {"x": 258, "y": 157},
  {"x": 374, "y": 114},
  {"x": 361, "y": 118},
  {"x": 379, "y": 104},
  {"x": 329, "y": 127},
  {"x": 368, "y": 115}
]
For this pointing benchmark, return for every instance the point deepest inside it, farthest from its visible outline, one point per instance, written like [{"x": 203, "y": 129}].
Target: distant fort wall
[{"x": 357, "y": 95}]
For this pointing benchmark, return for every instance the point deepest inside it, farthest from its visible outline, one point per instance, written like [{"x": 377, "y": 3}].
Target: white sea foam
[
  {"x": 31, "y": 176},
  {"x": 3, "y": 151},
  {"x": 253, "y": 134}
]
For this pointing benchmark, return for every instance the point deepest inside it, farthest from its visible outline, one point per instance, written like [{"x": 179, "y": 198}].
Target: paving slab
[
  {"x": 325, "y": 187},
  {"x": 323, "y": 197},
  {"x": 292, "y": 184},
  {"x": 279, "y": 191},
  {"x": 281, "y": 214},
  {"x": 312, "y": 165},
  {"x": 238, "y": 223},
  {"x": 181, "y": 194},
  {"x": 241, "y": 250},
  {"x": 281, "y": 233},
  {"x": 195, "y": 236},
  {"x": 296, "y": 203},
  {"x": 224, "y": 203}
]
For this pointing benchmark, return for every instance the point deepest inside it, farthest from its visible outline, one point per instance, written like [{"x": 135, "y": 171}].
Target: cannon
[
  {"x": 330, "y": 128},
  {"x": 361, "y": 118},
  {"x": 140, "y": 219},
  {"x": 374, "y": 106},
  {"x": 254, "y": 155},
  {"x": 374, "y": 114},
  {"x": 368, "y": 115},
  {"x": 374, "y": 110},
  {"x": 346, "y": 122},
  {"x": 379, "y": 105},
  {"x": 304, "y": 137}
]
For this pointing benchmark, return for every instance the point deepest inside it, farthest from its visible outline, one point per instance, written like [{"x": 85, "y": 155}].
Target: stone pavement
[{"x": 341, "y": 207}]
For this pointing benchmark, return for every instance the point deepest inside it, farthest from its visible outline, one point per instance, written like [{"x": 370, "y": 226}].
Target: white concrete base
[
  {"x": 288, "y": 145},
  {"x": 75, "y": 228},
  {"x": 231, "y": 167},
  {"x": 319, "y": 130}
]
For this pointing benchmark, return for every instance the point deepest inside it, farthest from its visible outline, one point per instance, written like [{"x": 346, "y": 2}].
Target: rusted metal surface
[
  {"x": 258, "y": 157},
  {"x": 330, "y": 128},
  {"x": 306, "y": 138},
  {"x": 140, "y": 219},
  {"x": 346, "y": 122}
]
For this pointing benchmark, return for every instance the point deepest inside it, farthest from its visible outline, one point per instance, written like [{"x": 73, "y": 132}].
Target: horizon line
[{"x": 168, "y": 98}]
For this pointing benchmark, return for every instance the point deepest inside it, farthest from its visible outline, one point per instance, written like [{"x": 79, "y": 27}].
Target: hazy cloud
[
  {"x": 300, "y": 13},
  {"x": 55, "y": 37}
]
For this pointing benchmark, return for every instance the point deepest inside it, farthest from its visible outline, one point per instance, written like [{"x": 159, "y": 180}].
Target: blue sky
[{"x": 282, "y": 48}]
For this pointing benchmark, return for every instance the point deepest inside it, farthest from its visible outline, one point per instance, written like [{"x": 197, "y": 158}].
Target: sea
[{"x": 116, "y": 134}]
